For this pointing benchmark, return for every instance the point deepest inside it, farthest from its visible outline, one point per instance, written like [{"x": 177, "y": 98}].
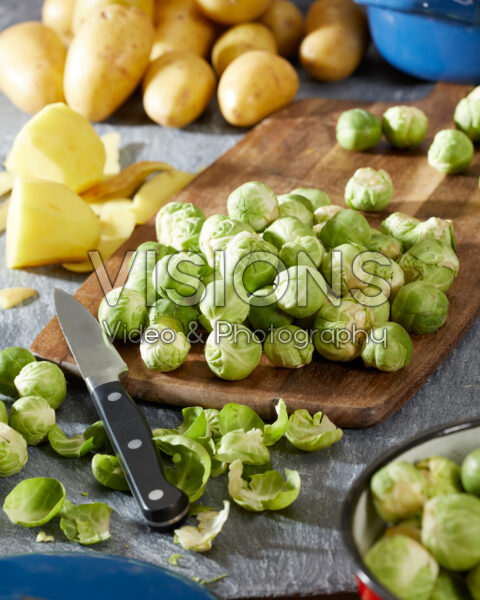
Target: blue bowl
[{"x": 431, "y": 39}]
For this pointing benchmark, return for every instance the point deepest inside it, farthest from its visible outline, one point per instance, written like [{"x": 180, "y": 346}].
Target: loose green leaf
[
  {"x": 233, "y": 417},
  {"x": 218, "y": 467},
  {"x": 69, "y": 447},
  {"x": 196, "y": 509},
  {"x": 272, "y": 433},
  {"x": 210, "y": 524},
  {"x": 265, "y": 491},
  {"x": 213, "y": 423},
  {"x": 107, "y": 470},
  {"x": 3, "y": 413},
  {"x": 247, "y": 447},
  {"x": 101, "y": 443},
  {"x": 311, "y": 433},
  {"x": 86, "y": 524},
  {"x": 194, "y": 422},
  {"x": 35, "y": 501},
  {"x": 42, "y": 537},
  {"x": 173, "y": 560}
]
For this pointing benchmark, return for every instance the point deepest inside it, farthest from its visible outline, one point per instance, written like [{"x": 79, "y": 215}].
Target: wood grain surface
[{"x": 297, "y": 147}]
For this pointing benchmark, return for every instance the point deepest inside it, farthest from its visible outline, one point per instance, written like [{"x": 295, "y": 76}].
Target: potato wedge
[
  {"x": 111, "y": 142},
  {"x": 11, "y": 297},
  {"x": 58, "y": 15},
  {"x": 285, "y": 21}
]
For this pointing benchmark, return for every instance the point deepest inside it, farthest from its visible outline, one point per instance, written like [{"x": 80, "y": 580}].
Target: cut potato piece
[
  {"x": 6, "y": 182},
  {"x": 59, "y": 145},
  {"x": 47, "y": 224},
  {"x": 157, "y": 192},
  {"x": 111, "y": 142},
  {"x": 4, "y": 215},
  {"x": 10, "y": 297}
]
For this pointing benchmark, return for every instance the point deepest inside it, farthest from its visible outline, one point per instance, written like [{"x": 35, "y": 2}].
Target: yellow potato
[
  {"x": 181, "y": 26},
  {"x": 10, "y": 297},
  {"x": 60, "y": 145},
  {"x": 85, "y": 8},
  {"x": 229, "y": 12},
  {"x": 106, "y": 60},
  {"x": 58, "y": 14},
  {"x": 6, "y": 182},
  {"x": 285, "y": 21},
  {"x": 332, "y": 12},
  {"x": 238, "y": 40},
  {"x": 255, "y": 85},
  {"x": 111, "y": 142},
  {"x": 48, "y": 224},
  {"x": 32, "y": 60},
  {"x": 4, "y": 215},
  {"x": 177, "y": 88}
]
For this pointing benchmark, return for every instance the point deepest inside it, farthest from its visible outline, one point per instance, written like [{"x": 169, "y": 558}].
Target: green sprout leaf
[
  {"x": 173, "y": 560},
  {"x": 107, "y": 470},
  {"x": 233, "y": 417},
  {"x": 101, "y": 443},
  {"x": 272, "y": 433},
  {"x": 3, "y": 413},
  {"x": 311, "y": 433},
  {"x": 196, "y": 509},
  {"x": 210, "y": 524},
  {"x": 218, "y": 467},
  {"x": 35, "y": 501},
  {"x": 86, "y": 524},
  {"x": 247, "y": 447},
  {"x": 194, "y": 422},
  {"x": 69, "y": 447},
  {"x": 213, "y": 423}
]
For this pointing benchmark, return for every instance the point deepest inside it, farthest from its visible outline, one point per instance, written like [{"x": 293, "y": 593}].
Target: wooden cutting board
[{"x": 297, "y": 147}]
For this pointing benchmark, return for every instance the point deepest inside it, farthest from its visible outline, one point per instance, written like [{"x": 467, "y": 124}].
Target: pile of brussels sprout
[
  {"x": 292, "y": 272},
  {"x": 431, "y": 548}
]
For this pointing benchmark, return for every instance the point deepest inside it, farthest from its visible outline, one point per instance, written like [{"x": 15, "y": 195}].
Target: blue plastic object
[
  {"x": 431, "y": 39},
  {"x": 91, "y": 576}
]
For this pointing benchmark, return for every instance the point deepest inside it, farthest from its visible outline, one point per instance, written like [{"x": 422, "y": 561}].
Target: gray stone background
[{"x": 299, "y": 550}]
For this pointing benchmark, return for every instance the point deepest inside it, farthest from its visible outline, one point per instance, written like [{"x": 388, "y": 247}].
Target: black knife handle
[{"x": 163, "y": 505}]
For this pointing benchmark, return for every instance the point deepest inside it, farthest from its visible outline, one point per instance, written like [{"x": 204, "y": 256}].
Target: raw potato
[
  {"x": 60, "y": 145},
  {"x": 58, "y": 14},
  {"x": 86, "y": 8},
  {"x": 106, "y": 60},
  {"x": 255, "y": 85},
  {"x": 10, "y": 297},
  {"x": 331, "y": 12},
  {"x": 48, "y": 224},
  {"x": 6, "y": 182},
  {"x": 111, "y": 142},
  {"x": 229, "y": 12},
  {"x": 285, "y": 21},
  {"x": 181, "y": 26},
  {"x": 238, "y": 40},
  {"x": 4, "y": 215},
  {"x": 177, "y": 88},
  {"x": 32, "y": 60}
]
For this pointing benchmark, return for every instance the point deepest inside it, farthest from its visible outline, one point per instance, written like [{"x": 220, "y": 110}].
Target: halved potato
[{"x": 10, "y": 297}]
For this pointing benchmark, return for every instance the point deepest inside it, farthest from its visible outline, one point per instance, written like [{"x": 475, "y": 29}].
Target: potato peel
[{"x": 11, "y": 297}]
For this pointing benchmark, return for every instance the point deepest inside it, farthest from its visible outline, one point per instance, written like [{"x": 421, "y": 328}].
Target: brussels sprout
[
  {"x": 163, "y": 348},
  {"x": 210, "y": 524},
  {"x": 404, "y": 126},
  {"x": 86, "y": 524},
  {"x": 142, "y": 264},
  {"x": 451, "y": 530},
  {"x": 96, "y": 432},
  {"x": 387, "y": 270},
  {"x": 431, "y": 261},
  {"x": 341, "y": 330},
  {"x": 442, "y": 475},
  {"x": 449, "y": 587},
  {"x": 179, "y": 224},
  {"x": 186, "y": 315},
  {"x": 178, "y": 278},
  {"x": 245, "y": 446},
  {"x": 323, "y": 213},
  {"x": 403, "y": 566},
  {"x": 35, "y": 501},
  {"x": 12, "y": 361},
  {"x": 378, "y": 304},
  {"x": 216, "y": 232},
  {"x": 473, "y": 583},
  {"x": 253, "y": 203},
  {"x": 107, "y": 470},
  {"x": 122, "y": 313},
  {"x": 291, "y": 205},
  {"x": 339, "y": 266},
  {"x": 471, "y": 472},
  {"x": 69, "y": 447},
  {"x": 250, "y": 261},
  {"x": 317, "y": 198},
  {"x": 305, "y": 250},
  {"x": 42, "y": 379},
  {"x": 369, "y": 190},
  {"x": 467, "y": 115},
  {"x": 433, "y": 228},
  {"x": 400, "y": 227},
  {"x": 385, "y": 244},
  {"x": 3, "y": 413},
  {"x": 232, "y": 351},
  {"x": 451, "y": 152},
  {"x": 411, "y": 528},
  {"x": 346, "y": 227},
  {"x": 358, "y": 129},
  {"x": 399, "y": 491},
  {"x": 309, "y": 433},
  {"x": 300, "y": 291},
  {"x": 420, "y": 307},
  {"x": 268, "y": 315},
  {"x": 13, "y": 451},
  {"x": 289, "y": 347},
  {"x": 317, "y": 229},
  {"x": 32, "y": 416},
  {"x": 285, "y": 230},
  {"x": 222, "y": 302},
  {"x": 387, "y": 348}
]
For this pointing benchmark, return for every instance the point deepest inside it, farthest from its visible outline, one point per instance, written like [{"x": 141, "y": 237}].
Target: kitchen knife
[{"x": 162, "y": 504}]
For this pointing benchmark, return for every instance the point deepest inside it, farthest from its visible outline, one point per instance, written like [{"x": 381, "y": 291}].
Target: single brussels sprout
[
  {"x": 442, "y": 475},
  {"x": 369, "y": 190},
  {"x": 404, "y": 126},
  {"x": 34, "y": 501},
  {"x": 449, "y": 586},
  {"x": 451, "y": 530},
  {"x": 431, "y": 261},
  {"x": 42, "y": 379},
  {"x": 289, "y": 347},
  {"x": 4, "y": 413},
  {"x": 253, "y": 203},
  {"x": 433, "y": 228},
  {"x": 122, "y": 314},
  {"x": 222, "y": 302},
  {"x": 400, "y": 227},
  {"x": 141, "y": 268},
  {"x": 471, "y": 472},
  {"x": 358, "y": 129},
  {"x": 451, "y": 152},
  {"x": 13, "y": 451},
  {"x": 107, "y": 470},
  {"x": 163, "y": 348},
  {"x": 232, "y": 351},
  {"x": 300, "y": 291},
  {"x": 178, "y": 224},
  {"x": 311, "y": 434},
  {"x": 378, "y": 304},
  {"x": 323, "y": 213},
  {"x": 387, "y": 348},
  {"x": 473, "y": 583},
  {"x": 403, "y": 566},
  {"x": 385, "y": 244},
  {"x": 285, "y": 230},
  {"x": 467, "y": 116},
  {"x": 210, "y": 524},
  {"x": 340, "y": 330},
  {"x": 291, "y": 205},
  {"x": 178, "y": 277},
  {"x": 343, "y": 270},
  {"x": 12, "y": 361},
  {"x": 420, "y": 307},
  {"x": 411, "y": 528},
  {"x": 305, "y": 250},
  {"x": 317, "y": 229},
  {"x": 316, "y": 197},
  {"x": 73, "y": 447},
  {"x": 265, "y": 313},
  {"x": 346, "y": 227},
  {"x": 186, "y": 315},
  {"x": 32, "y": 416},
  {"x": 387, "y": 270},
  {"x": 86, "y": 524},
  {"x": 250, "y": 261},
  {"x": 399, "y": 491},
  {"x": 216, "y": 232}
]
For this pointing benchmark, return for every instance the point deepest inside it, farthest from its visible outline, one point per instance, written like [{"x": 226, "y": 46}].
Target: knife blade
[{"x": 163, "y": 505}]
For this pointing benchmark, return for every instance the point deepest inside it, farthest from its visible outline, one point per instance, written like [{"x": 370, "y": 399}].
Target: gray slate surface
[{"x": 297, "y": 551}]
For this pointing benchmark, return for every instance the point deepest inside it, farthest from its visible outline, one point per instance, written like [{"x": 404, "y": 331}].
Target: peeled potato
[
  {"x": 229, "y": 12},
  {"x": 85, "y": 8},
  {"x": 4, "y": 215},
  {"x": 6, "y": 182},
  {"x": 285, "y": 21},
  {"x": 111, "y": 142},
  {"x": 58, "y": 14},
  {"x": 11, "y": 297},
  {"x": 48, "y": 224},
  {"x": 60, "y": 145}
]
